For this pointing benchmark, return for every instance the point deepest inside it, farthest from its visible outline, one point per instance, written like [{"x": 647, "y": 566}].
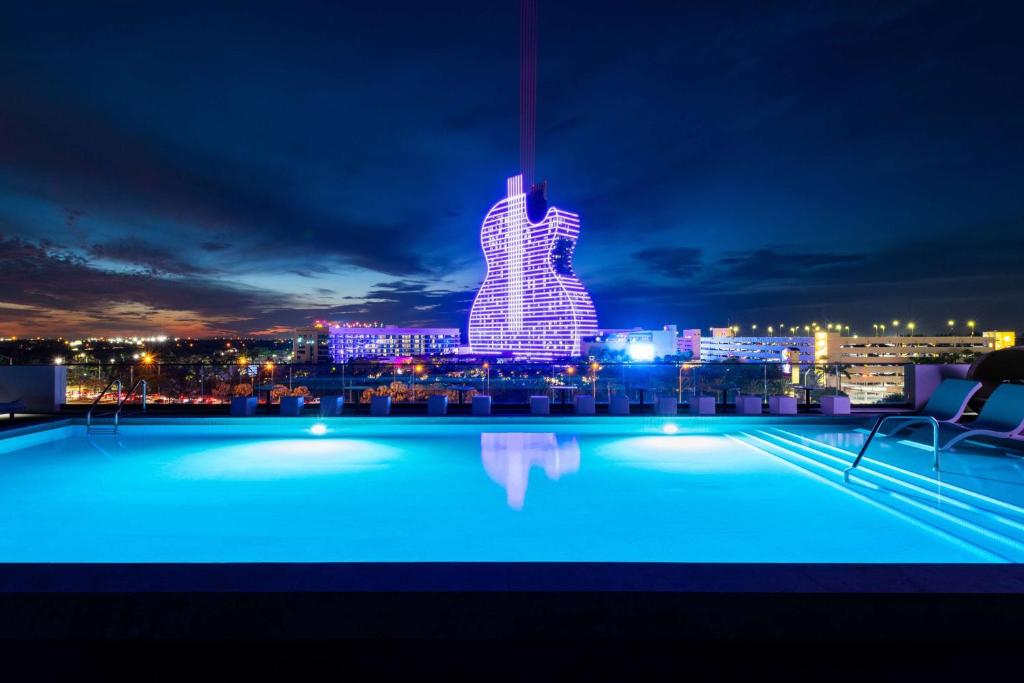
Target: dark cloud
[
  {"x": 674, "y": 262},
  {"x": 781, "y": 263},
  {"x": 928, "y": 281},
  {"x": 412, "y": 302},
  {"x": 151, "y": 257},
  {"x": 45, "y": 283}
]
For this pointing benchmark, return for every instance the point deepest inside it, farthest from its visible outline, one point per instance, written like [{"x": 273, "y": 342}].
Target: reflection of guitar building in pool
[
  {"x": 508, "y": 457},
  {"x": 531, "y": 303}
]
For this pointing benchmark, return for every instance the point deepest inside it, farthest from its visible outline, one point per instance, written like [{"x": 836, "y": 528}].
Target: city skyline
[{"x": 828, "y": 163}]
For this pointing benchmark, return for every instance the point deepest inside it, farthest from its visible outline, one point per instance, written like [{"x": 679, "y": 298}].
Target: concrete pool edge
[{"x": 512, "y": 577}]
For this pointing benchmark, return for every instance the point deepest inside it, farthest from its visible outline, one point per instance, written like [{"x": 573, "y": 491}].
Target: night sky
[{"x": 180, "y": 169}]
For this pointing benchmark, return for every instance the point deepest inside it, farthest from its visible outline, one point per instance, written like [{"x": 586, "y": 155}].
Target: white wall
[{"x": 41, "y": 387}]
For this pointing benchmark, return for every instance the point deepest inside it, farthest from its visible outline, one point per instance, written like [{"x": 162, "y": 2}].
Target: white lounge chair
[
  {"x": 1001, "y": 417},
  {"x": 946, "y": 404}
]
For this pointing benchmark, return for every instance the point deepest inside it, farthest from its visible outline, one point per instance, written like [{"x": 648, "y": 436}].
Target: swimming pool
[{"x": 517, "y": 489}]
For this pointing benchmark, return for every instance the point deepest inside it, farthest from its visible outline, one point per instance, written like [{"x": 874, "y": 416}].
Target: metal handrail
[
  {"x": 128, "y": 395},
  {"x": 88, "y": 415},
  {"x": 906, "y": 418}
]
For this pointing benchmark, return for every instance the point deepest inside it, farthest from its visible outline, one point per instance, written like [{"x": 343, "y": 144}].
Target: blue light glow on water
[{"x": 423, "y": 490}]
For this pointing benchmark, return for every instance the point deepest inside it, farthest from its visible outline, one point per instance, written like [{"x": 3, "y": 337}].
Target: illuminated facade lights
[
  {"x": 391, "y": 342},
  {"x": 531, "y": 303}
]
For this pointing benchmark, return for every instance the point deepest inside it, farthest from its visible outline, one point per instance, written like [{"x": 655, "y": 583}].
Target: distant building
[
  {"x": 835, "y": 348},
  {"x": 1001, "y": 340},
  {"x": 689, "y": 343},
  {"x": 636, "y": 345},
  {"x": 872, "y": 367},
  {"x": 723, "y": 345},
  {"x": 311, "y": 345},
  {"x": 391, "y": 342}
]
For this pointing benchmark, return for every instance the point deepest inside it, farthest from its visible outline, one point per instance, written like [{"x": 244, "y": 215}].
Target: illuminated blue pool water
[{"x": 456, "y": 489}]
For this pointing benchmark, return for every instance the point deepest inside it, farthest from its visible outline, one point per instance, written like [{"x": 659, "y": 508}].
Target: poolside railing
[{"x": 505, "y": 382}]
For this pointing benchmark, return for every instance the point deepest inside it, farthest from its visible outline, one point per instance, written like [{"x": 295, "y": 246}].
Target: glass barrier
[{"x": 505, "y": 382}]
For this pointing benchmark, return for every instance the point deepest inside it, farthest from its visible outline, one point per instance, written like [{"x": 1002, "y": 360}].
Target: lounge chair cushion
[
  {"x": 949, "y": 400},
  {"x": 1003, "y": 411}
]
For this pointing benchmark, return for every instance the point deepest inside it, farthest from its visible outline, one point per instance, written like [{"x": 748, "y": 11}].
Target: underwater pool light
[
  {"x": 319, "y": 429},
  {"x": 670, "y": 428}
]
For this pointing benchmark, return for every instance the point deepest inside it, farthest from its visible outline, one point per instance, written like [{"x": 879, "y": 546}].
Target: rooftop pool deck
[{"x": 506, "y": 527}]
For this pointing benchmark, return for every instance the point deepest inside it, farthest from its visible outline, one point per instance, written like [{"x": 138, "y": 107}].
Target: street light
[
  {"x": 970, "y": 324},
  {"x": 911, "y": 326}
]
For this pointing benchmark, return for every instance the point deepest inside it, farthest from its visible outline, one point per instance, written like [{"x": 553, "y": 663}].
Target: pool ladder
[{"x": 91, "y": 428}]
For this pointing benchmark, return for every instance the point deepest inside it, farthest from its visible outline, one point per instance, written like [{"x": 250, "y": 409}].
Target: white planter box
[
  {"x": 331, "y": 406},
  {"x": 540, "y": 405},
  {"x": 748, "y": 405},
  {"x": 243, "y": 406},
  {"x": 291, "y": 406},
  {"x": 585, "y": 405},
  {"x": 782, "y": 405},
  {"x": 835, "y": 405},
  {"x": 666, "y": 405},
  {"x": 380, "y": 406},
  {"x": 618, "y": 405},
  {"x": 481, "y": 406},
  {"x": 437, "y": 406},
  {"x": 702, "y": 405}
]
